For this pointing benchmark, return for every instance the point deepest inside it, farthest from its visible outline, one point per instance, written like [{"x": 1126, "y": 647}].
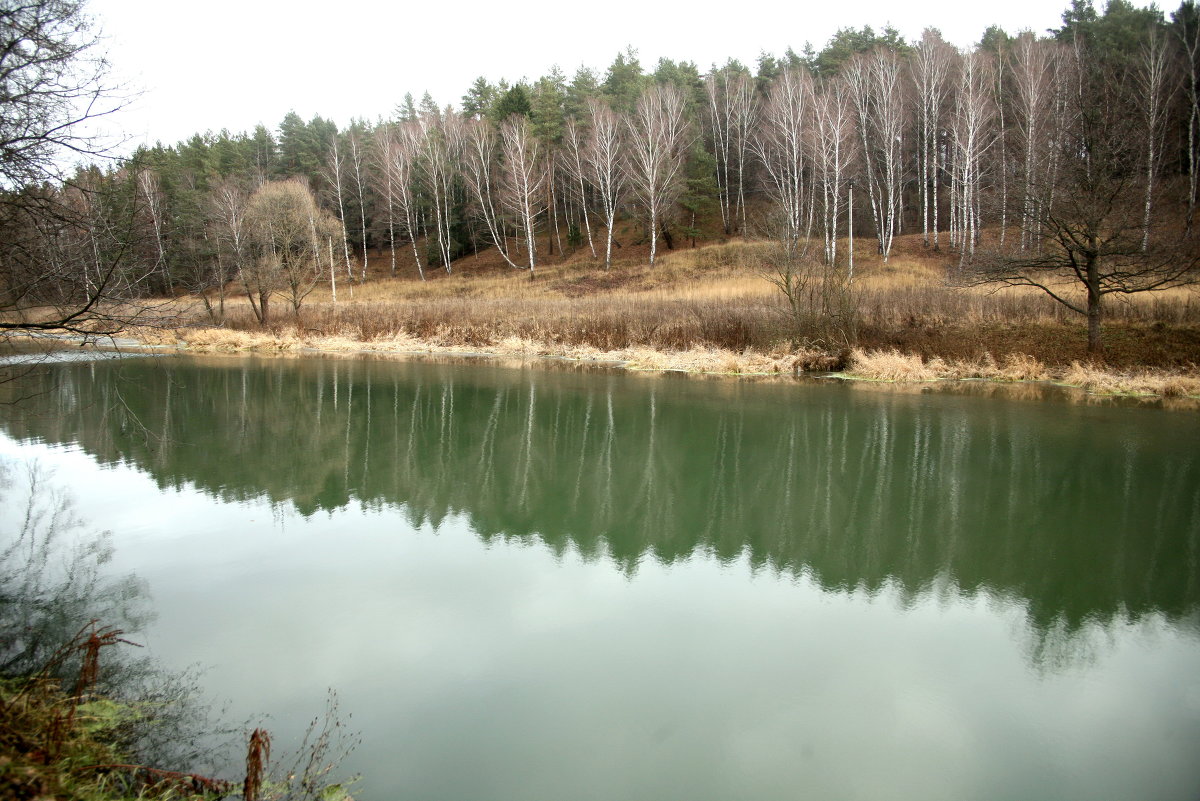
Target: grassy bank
[
  {"x": 63, "y": 740},
  {"x": 721, "y": 297},
  {"x": 718, "y": 309}
]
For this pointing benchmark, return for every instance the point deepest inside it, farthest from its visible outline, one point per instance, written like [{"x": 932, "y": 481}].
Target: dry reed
[
  {"x": 258, "y": 755},
  {"x": 891, "y": 365}
]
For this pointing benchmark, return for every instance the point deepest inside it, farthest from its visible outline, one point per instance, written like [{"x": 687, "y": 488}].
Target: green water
[{"x": 537, "y": 584}]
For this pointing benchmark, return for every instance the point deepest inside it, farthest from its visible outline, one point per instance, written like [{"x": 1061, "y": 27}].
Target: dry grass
[
  {"x": 1131, "y": 382},
  {"x": 713, "y": 309},
  {"x": 891, "y": 365},
  {"x": 692, "y": 360},
  {"x": 888, "y": 365}
]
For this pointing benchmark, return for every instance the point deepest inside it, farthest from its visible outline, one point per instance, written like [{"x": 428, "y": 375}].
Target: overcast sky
[{"x": 235, "y": 63}]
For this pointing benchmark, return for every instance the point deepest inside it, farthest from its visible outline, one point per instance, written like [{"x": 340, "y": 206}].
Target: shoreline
[{"x": 880, "y": 370}]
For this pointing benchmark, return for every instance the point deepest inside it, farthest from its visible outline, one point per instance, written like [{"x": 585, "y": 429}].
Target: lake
[{"x": 587, "y": 584}]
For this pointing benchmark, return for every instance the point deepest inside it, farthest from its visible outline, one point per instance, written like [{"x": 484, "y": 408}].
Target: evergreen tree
[
  {"x": 547, "y": 108},
  {"x": 291, "y": 144},
  {"x": 429, "y": 108},
  {"x": 478, "y": 100},
  {"x": 514, "y": 101},
  {"x": 768, "y": 70},
  {"x": 406, "y": 111},
  {"x": 264, "y": 156},
  {"x": 624, "y": 81},
  {"x": 583, "y": 87},
  {"x": 848, "y": 41},
  {"x": 700, "y": 190},
  {"x": 994, "y": 40},
  {"x": 686, "y": 76}
]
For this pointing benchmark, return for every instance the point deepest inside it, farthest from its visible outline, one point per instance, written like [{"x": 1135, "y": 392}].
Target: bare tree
[
  {"x": 358, "y": 156},
  {"x": 441, "y": 147},
  {"x": 879, "y": 103},
  {"x": 1033, "y": 62},
  {"x": 403, "y": 150},
  {"x": 1089, "y": 233},
  {"x": 999, "y": 102},
  {"x": 834, "y": 140},
  {"x": 743, "y": 101},
  {"x": 335, "y": 176},
  {"x": 782, "y": 144},
  {"x": 479, "y": 163},
  {"x": 227, "y": 211},
  {"x": 55, "y": 82},
  {"x": 286, "y": 225},
  {"x": 732, "y": 115},
  {"x": 932, "y": 65},
  {"x": 658, "y": 142},
  {"x": 973, "y": 133},
  {"x": 522, "y": 179},
  {"x": 1187, "y": 28},
  {"x": 1152, "y": 88},
  {"x": 573, "y": 158},
  {"x": 604, "y": 157},
  {"x": 384, "y": 179},
  {"x": 152, "y": 197}
]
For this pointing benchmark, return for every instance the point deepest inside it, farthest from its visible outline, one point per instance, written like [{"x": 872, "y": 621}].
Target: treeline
[{"x": 1094, "y": 128}]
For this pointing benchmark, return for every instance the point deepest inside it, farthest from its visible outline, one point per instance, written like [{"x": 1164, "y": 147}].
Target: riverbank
[
  {"x": 886, "y": 366},
  {"x": 60, "y": 745},
  {"x": 718, "y": 310},
  {"x": 726, "y": 297}
]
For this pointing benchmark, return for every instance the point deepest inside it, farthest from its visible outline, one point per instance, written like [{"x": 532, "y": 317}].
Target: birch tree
[
  {"x": 383, "y": 142},
  {"x": 335, "y": 177},
  {"x": 658, "y": 142},
  {"x": 1152, "y": 90},
  {"x": 932, "y": 65},
  {"x": 879, "y": 103},
  {"x": 479, "y": 163},
  {"x": 1032, "y": 82},
  {"x": 404, "y": 146},
  {"x": 1186, "y": 23},
  {"x": 227, "y": 210},
  {"x": 441, "y": 146},
  {"x": 522, "y": 179},
  {"x": 573, "y": 157},
  {"x": 781, "y": 145},
  {"x": 604, "y": 158},
  {"x": 358, "y": 156},
  {"x": 973, "y": 134},
  {"x": 732, "y": 108},
  {"x": 152, "y": 196},
  {"x": 834, "y": 139}
]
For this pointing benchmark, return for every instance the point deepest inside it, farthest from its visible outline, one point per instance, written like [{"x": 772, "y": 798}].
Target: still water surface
[{"x": 528, "y": 584}]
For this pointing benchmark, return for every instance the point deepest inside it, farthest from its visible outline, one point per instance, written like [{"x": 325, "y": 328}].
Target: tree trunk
[
  {"x": 1094, "y": 348},
  {"x": 667, "y": 237}
]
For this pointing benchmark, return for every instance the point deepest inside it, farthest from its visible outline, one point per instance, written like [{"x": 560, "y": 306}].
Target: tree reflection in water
[{"x": 1085, "y": 516}]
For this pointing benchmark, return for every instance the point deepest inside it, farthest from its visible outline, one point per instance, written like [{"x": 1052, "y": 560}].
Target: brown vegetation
[{"x": 714, "y": 309}]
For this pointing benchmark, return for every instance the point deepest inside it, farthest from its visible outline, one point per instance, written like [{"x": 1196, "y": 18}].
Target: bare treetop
[{"x": 53, "y": 81}]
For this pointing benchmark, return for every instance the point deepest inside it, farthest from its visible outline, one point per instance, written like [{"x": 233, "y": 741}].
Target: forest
[{"x": 1064, "y": 162}]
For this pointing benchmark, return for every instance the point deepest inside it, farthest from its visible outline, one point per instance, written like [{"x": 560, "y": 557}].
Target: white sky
[{"x": 235, "y": 63}]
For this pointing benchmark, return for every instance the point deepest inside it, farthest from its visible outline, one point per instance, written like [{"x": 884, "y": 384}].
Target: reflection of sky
[{"x": 502, "y": 671}]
